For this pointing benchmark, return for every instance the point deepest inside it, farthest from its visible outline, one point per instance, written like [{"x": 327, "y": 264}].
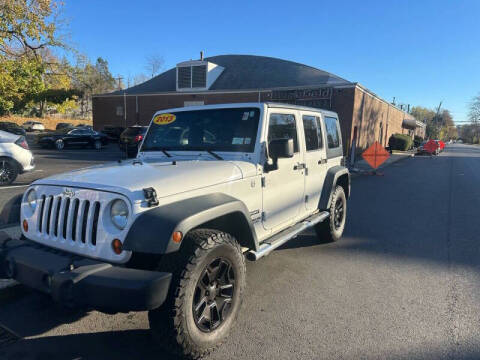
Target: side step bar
[{"x": 282, "y": 237}]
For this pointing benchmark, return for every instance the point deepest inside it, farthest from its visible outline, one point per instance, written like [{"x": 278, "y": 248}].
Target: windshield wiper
[
  {"x": 165, "y": 152},
  {"x": 158, "y": 148},
  {"x": 216, "y": 156}
]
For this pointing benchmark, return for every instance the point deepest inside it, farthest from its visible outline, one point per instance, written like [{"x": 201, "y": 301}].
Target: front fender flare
[{"x": 152, "y": 230}]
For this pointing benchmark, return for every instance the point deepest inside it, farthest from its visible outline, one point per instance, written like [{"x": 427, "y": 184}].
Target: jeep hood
[{"x": 166, "y": 178}]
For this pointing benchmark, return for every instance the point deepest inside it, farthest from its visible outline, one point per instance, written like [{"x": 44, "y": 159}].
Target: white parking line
[{"x": 13, "y": 187}]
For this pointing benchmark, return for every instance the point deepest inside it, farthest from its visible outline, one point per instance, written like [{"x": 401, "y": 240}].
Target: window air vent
[
  {"x": 184, "y": 77},
  {"x": 199, "y": 76}
]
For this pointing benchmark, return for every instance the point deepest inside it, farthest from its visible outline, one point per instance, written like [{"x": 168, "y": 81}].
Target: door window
[
  {"x": 313, "y": 132},
  {"x": 333, "y": 139},
  {"x": 282, "y": 126}
]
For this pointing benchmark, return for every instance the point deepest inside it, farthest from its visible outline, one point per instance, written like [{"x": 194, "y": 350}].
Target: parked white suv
[
  {"x": 15, "y": 157},
  {"x": 168, "y": 232},
  {"x": 33, "y": 126}
]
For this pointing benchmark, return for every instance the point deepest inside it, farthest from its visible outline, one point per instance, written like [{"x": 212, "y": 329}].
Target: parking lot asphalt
[
  {"x": 403, "y": 283},
  {"x": 49, "y": 162}
]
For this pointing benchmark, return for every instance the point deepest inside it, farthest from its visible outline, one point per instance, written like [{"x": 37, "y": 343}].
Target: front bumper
[{"x": 76, "y": 281}]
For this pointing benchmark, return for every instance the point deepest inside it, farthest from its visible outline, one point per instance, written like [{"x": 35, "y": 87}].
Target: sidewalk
[{"x": 361, "y": 166}]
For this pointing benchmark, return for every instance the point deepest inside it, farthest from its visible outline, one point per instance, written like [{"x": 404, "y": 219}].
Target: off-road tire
[
  {"x": 173, "y": 325},
  {"x": 327, "y": 231}
]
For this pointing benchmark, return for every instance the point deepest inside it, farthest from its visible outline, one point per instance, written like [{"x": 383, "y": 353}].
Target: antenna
[{"x": 201, "y": 55}]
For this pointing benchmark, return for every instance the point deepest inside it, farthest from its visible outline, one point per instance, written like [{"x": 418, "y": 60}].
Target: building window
[
  {"x": 331, "y": 127},
  {"x": 119, "y": 111},
  {"x": 282, "y": 126},
  {"x": 313, "y": 132},
  {"x": 192, "y": 77}
]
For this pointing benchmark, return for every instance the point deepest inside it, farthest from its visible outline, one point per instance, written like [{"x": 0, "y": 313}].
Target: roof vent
[{"x": 197, "y": 75}]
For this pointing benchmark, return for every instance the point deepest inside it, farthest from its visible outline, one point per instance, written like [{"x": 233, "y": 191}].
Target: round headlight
[
  {"x": 119, "y": 213},
  {"x": 32, "y": 199}
]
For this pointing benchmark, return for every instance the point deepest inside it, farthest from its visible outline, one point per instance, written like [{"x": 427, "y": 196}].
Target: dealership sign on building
[{"x": 314, "y": 97}]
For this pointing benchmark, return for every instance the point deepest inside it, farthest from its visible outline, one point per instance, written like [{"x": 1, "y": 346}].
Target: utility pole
[{"x": 119, "y": 80}]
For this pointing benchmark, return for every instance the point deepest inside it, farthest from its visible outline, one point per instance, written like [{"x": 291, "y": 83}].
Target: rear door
[
  {"x": 283, "y": 189},
  {"x": 315, "y": 158}
]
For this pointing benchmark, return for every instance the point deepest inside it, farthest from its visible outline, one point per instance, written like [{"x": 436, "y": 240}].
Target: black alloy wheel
[
  {"x": 8, "y": 172},
  {"x": 338, "y": 216},
  {"x": 213, "y": 297}
]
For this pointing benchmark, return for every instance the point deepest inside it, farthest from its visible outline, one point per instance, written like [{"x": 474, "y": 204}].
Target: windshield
[{"x": 232, "y": 130}]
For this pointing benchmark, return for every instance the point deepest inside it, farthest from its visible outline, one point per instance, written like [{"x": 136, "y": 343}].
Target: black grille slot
[
  {"x": 96, "y": 214},
  {"x": 49, "y": 213},
  {"x": 57, "y": 216},
  {"x": 42, "y": 207},
  {"x": 65, "y": 217},
  {"x": 84, "y": 220},
  {"x": 74, "y": 220}
]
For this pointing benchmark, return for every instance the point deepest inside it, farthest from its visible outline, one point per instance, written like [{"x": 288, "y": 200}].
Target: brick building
[{"x": 364, "y": 116}]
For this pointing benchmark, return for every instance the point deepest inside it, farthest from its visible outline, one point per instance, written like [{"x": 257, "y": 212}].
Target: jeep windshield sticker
[
  {"x": 247, "y": 141},
  {"x": 164, "y": 119},
  {"x": 237, "y": 141},
  {"x": 246, "y": 115}
]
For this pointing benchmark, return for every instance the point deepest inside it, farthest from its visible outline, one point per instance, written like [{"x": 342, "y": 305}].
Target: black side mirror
[
  {"x": 280, "y": 148},
  {"x": 277, "y": 149}
]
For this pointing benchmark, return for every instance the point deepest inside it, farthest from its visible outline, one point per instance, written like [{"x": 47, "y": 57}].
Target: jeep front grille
[
  {"x": 75, "y": 220},
  {"x": 66, "y": 218}
]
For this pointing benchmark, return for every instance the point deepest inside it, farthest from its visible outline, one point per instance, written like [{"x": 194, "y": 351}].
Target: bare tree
[
  {"x": 139, "y": 78},
  {"x": 153, "y": 64},
  {"x": 474, "y": 115}
]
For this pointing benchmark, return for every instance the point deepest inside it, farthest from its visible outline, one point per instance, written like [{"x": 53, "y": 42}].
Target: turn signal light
[
  {"x": 117, "y": 246},
  {"x": 25, "y": 225},
  {"x": 177, "y": 237}
]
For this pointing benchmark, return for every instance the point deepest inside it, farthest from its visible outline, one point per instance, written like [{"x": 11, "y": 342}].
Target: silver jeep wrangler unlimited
[{"x": 169, "y": 231}]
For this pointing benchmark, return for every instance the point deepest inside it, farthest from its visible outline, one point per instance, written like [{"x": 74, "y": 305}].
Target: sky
[{"x": 420, "y": 52}]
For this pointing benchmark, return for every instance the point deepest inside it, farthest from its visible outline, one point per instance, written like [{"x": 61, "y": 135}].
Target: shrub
[
  {"x": 417, "y": 141},
  {"x": 400, "y": 142}
]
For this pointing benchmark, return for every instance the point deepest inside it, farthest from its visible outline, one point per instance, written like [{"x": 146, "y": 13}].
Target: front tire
[
  {"x": 205, "y": 296},
  {"x": 8, "y": 171},
  {"x": 332, "y": 228},
  {"x": 97, "y": 145},
  {"x": 59, "y": 144}
]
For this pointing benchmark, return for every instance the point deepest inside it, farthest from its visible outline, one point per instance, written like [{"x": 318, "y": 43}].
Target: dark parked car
[
  {"x": 64, "y": 126},
  {"x": 73, "y": 137},
  {"x": 131, "y": 138},
  {"x": 113, "y": 132},
  {"x": 12, "y": 128}
]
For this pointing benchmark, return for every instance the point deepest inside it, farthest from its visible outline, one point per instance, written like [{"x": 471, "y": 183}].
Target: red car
[{"x": 441, "y": 145}]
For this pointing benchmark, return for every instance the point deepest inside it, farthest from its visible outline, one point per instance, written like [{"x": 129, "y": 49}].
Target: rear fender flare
[{"x": 334, "y": 174}]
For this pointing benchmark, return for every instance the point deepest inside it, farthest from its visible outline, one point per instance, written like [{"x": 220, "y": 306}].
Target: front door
[
  {"x": 283, "y": 192},
  {"x": 315, "y": 159}
]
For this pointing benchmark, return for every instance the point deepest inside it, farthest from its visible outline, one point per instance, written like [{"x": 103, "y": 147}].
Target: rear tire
[
  {"x": 8, "y": 171},
  {"x": 205, "y": 294},
  {"x": 332, "y": 228},
  {"x": 97, "y": 145}
]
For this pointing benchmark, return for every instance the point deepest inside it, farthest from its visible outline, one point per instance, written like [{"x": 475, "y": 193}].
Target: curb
[{"x": 363, "y": 172}]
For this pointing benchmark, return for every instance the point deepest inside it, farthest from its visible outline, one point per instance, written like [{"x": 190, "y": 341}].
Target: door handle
[
  {"x": 322, "y": 161},
  {"x": 299, "y": 166}
]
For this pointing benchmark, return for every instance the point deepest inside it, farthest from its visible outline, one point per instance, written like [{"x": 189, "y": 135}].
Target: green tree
[{"x": 27, "y": 26}]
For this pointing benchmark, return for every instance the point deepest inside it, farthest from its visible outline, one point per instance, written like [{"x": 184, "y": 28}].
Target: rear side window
[
  {"x": 313, "y": 132},
  {"x": 333, "y": 139},
  {"x": 282, "y": 126}
]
